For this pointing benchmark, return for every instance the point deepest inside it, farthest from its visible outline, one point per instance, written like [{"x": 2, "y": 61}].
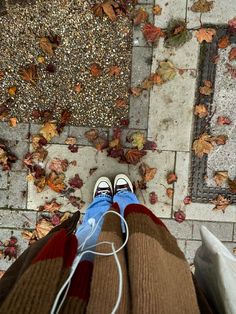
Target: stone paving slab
[
  {"x": 171, "y": 104},
  {"x": 138, "y": 111},
  {"x": 125, "y": 134},
  {"x": 3, "y": 179},
  {"x": 35, "y": 128},
  {"x": 78, "y": 133},
  {"x": 223, "y": 231},
  {"x": 19, "y": 149},
  {"x": 17, "y": 193},
  {"x": 3, "y": 198},
  {"x": 170, "y": 9},
  {"x": 138, "y": 38},
  {"x": 179, "y": 230},
  {"x": 17, "y": 219},
  {"x": 221, "y": 13},
  {"x": 87, "y": 158},
  {"x": 18, "y": 133},
  {"x": 141, "y": 64}
]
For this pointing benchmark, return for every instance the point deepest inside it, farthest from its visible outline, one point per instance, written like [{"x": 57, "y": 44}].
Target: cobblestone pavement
[{"x": 164, "y": 114}]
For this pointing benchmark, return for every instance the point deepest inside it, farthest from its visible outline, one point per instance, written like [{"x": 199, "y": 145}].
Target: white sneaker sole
[
  {"x": 105, "y": 179},
  {"x": 123, "y": 176}
]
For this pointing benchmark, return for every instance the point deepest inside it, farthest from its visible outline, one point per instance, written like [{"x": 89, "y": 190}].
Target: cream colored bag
[{"x": 215, "y": 271}]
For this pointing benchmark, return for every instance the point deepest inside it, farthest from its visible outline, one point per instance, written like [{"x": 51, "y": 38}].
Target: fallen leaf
[
  {"x": 205, "y": 34},
  {"x": 147, "y": 84},
  {"x": 51, "y": 68},
  {"x": 76, "y": 201},
  {"x": 13, "y": 122},
  {"x": 202, "y": 6},
  {"x": 70, "y": 141},
  {"x": 58, "y": 165},
  {"x": 150, "y": 145},
  {"x": 12, "y": 90},
  {"x": 38, "y": 141},
  {"x": 100, "y": 143},
  {"x": 133, "y": 156},
  {"x": 221, "y": 120},
  {"x": 109, "y": 9},
  {"x": 4, "y": 112},
  {"x": 177, "y": 33},
  {"x": 231, "y": 70},
  {"x": 147, "y": 172},
  {"x": 153, "y": 199},
  {"x": 232, "y": 54},
  {"x": 138, "y": 140},
  {"x": 156, "y": 10},
  {"x": 166, "y": 70},
  {"x": 56, "y": 182},
  {"x": 55, "y": 220},
  {"x": 170, "y": 192},
  {"x": 232, "y": 25},
  {"x": 152, "y": 33},
  {"x": 48, "y": 131},
  {"x": 43, "y": 227},
  {"x": 91, "y": 135},
  {"x": 40, "y": 184},
  {"x": 114, "y": 70},
  {"x": 120, "y": 103},
  {"x": 141, "y": 16},
  {"x": 203, "y": 145},
  {"x": 136, "y": 91},
  {"x": 6, "y": 158},
  {"x": 206, "y": 89},
  {"x": 224, "y": 42},
  {"x": 51, "y": 206},
  {"x": 220, "y": 203},
  {"x": 156, "y": 79},
  {"x": 92, "y": 170},
  {"x": 220, "y": 177},
  {"x": 201, "y": 110},
  {"x": 41, "y": 59},
  {"x": 46, "y": 46},
  {"x": 76, "y": 182},
  {"x": 187, "y": 200},
  {"x": 220, "y": 139},
  {"x": 1, "y": 75},
  {"x": 232, "y": 185},
  {"x": 124, "y": 122},
  {"x": 29, "y": 73},
  {"x": 95, "y": 70},
  {"x": 78, "y": 88},
  {"x": 179, "y": 216},
  {"x": 73, "y": 148},
  {"x": 171, "y": 178}
]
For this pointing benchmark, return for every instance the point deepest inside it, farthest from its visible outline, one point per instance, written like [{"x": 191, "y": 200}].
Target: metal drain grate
[{"x": 199, "y": 190}]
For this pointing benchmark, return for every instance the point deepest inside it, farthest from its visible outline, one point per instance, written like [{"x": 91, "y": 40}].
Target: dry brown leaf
[
  {"x": 43, "y": 227},
  {"x": 1, "y": 75},
  {"x": 147, "y": 172},
  {"x": 220, "y": 177},
  {"x": 147, "y": 84},
  {"x": 95, "y": 70},
  {"x": 166, "y": 70},
  {"x": 202, "y": 6},
  {"x": 12, "y": 90},
  {"x": 71, "y": 141},
  {"x": 156, "y": 10},
  {"x": 201, "y": 110},
  {"x": 114, "y": 70},
  {"x": 26, "y": 235},
  {"x": 203, "y": 145},
  {"x": 78, "y": 88},
  {"x": 100, "y": 143},
  {"x": 51, "y": 206},
  {"x": 232, "y": 185},
  {"x": 171, "y": 178},
  {"x": 220, "y": 139},
  {"x": 56, "y": 182},
  {"x": 141, "y": 16},
  {"x": 46, "y": 46},
  {"x": 232, "y": 54},
  {"x": 29, "y": 73},
  {"x": 48, "y": 131},
  {"x": 205, "y": 34},
  {"x": 108, "y": 8},
  {"x": 152, "y": 33},
  {"x": 170, "y": 192},
  {"x": 58, "y": 165},
  {"x": 120, "y": 103},
  {"x": 220, "y": 203},
  {"x": 206, "y": 89},
  {"x": 133, "y": 156},
  {"x": 40, "y": 184},
  {"x": 136, "y": 91},
  {"x": 91, "y": 135},
  {"x": 224, "y": 42},
  {"x": 38, "y": 141},
  {"x": 156, "y": 79},
  {"x": 13, "y": 122}
]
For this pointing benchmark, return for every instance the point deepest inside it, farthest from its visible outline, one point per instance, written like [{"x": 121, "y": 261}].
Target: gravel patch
[{"x": 85, "y": 39}]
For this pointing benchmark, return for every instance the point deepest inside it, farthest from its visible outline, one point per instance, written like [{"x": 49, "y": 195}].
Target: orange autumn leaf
[
  {"x": 156, "y": 10},
  {"x": 232, "y": 185},
  {"x": 78, "y": 88},
  {"x": 205, "y": 34},
  {"x": 29, "y": 73},
  {"x": 56, "y": 182},
  {"x": 48, "y": 131},
  {"x": 13, "y": 122},
  {"x": 46, "y": 46},
  {"x": 133, "y": 156},
  {"x": 51, "y": 206},
  {"x": 141, "y": 16},
  {"x": 171, "y": 178},
  {"x": 152, "y": 33},
  {"x": 109, "y": 9},
  {"x": 12, "y": 90},
  {"x": 136, "y": 91},
  {"x": 201, "y": 110},
  {"x": 147, "y": 172},
  {"x": 120, "y": 103},
  {"x": 232, "y": 54},
  {"x": 43, "y": 227},
  {"x": 95, "y": 70},
  {"x": 207, "y": 88},
  {"x": 220, "y": 203},
  {"x": 224, "y": 42},
  {"x": 203, "y": 145},
  {"x": 91, "y": 135},
  {"x": 220, "y": 177},
  {"x": 114, "y": 70},
  {"x": 170, "y": 192}
]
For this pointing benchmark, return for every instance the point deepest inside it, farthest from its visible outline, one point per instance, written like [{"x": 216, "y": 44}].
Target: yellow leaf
[
  {"x": 40, "y": 59},
  {"x": 220, "y": 177},
  {"x": 12, "y": 90},
  {"x": 202, "y": 6},
  {"x": 166, "y": 70},
  {"x": 71, "y": 141},
  {"x": 201, "y": 111},
  {"x": 206, "y": 34},
  {"x": 48, "y": 131},
  {"x": 156, "y": 10},
  {"x": 138, "y": 140},
  {"x": 46, "y": 46},
  {"x": 13, "y": 122},
  {"x": 42, "y": 228}
]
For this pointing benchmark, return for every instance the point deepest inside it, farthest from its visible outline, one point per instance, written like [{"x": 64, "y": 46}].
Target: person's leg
[
  {"x": 101, "y": 203},
  {"x": 124, "y": 194}
]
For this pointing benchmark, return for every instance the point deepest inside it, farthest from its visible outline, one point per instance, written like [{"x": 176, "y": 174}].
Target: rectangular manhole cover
[{"x": 215, "y": 66}]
